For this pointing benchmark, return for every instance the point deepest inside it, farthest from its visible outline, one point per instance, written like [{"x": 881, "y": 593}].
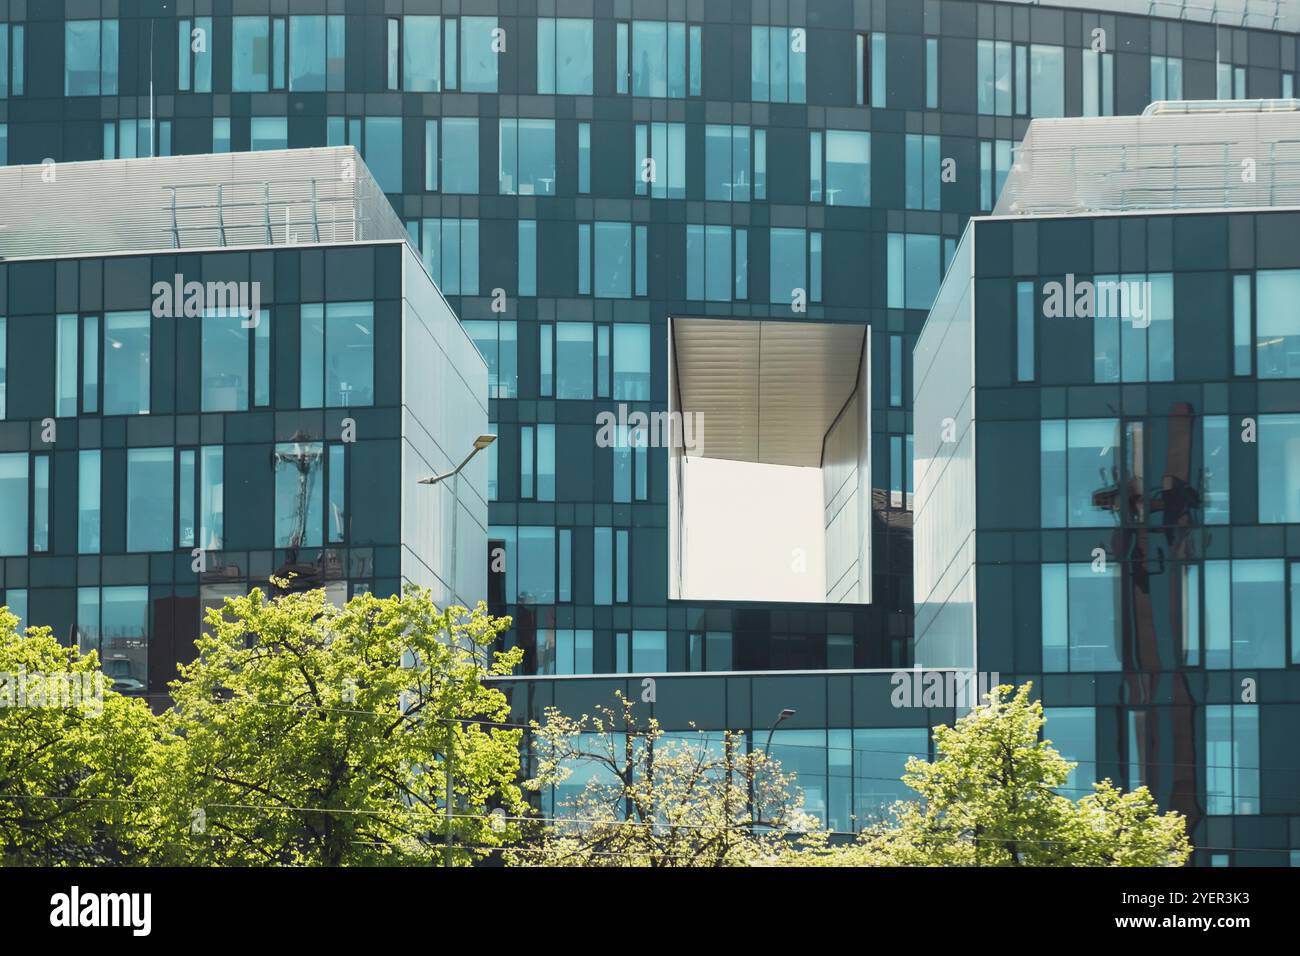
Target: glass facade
[{"x": 603, "y": 168}]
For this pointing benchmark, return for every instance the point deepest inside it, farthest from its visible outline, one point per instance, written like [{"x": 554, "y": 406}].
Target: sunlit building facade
[{"x": 578, "y": 177}]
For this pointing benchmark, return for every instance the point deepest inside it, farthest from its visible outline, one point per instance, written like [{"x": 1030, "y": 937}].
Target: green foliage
[
  {"x": 68, "y": 764},
  {"x": 990, "y": 799},
  {"x": 306, "y": 734},
  {"x": 656, "y": 800}
]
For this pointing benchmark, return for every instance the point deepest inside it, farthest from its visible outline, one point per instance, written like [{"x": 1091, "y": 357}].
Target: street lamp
[
  {"x": 786, "y": 714},
  {"x": 479, "y": 444}
]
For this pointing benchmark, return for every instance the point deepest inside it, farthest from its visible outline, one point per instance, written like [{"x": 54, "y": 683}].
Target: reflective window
[
  {"x": 1073, "y": 732},
  {"x": 1026, "y": 317},
  {"x": 564, "y": 55},
  {"x": 663, "y": 59},
  {"x": 584, "y": 158},
  {"x": 4, "y": 353},
  {"x": 90, "y": 49},
  {"x": 316, "y": 53},
  {"x": 536, "y": 565},
  {"x": 1133, "y": 328},
  {"x": 149, "y": 499},
  {"x": 848, "y": 168},
  {"x": 1166, "y": 78},
  {"x": 994, "y": 86},
  {"x": 382, "y": 151},
  {"x": 1241, "y": 325},
  {"x": 931, "y": 73},
  {"x": 450, "y": 251},
  {"x": 879, "y": 761},
  {"x": 923, "y": 171},
  {"x": 269, "y": 132},
  {"x": 337, "y": 355},
  {"x": 735, "y": 163},
  {"x": 709, "y": 272},
  {"x": 225, "y": 362},
  {"x": 526, "y": 157},
  {"x": 1277, "y": 323},
  {"x": 252, "y": 58},
  {"x": 194, "y": 55},
  {"x": 617, "y": 251},
  {"x": 778, "y": 64},
  {"x": 123, "y": 638},
  {"x": 1098, "y": 83},
  {"x": 126, "y": 363},
  {"x": 1078, "y": 465},
  {"x": 299, "y": 494},
  {"x": 480, "y": 45},
  {"x": 1216, "y": 472},
  {"x": 212, "y": 485},
  {"x": 496, "y": 341},
  {"x": 13, "y": 503},
  {"x": 527, "y": 257},
  {"x": 1080, "y": 617},
  {"x": 661, "y": 160},
  {"x": 632, "y": 362},
  {"x": 1232, "y": 759},
  {"x": 649, "y": 651},
  {"x": 574, "y": 360},
  {"x": 1245, "y": 614},
  {"x": 88, "y": 501},
  {"x": 421, "y": 44},
  {"x": 995, "y": 163},
  {"x": 1047, "y": 80},
  {"x": 913, "y": 270},
  {"x": 459, "y": 154},
  {"x": 1279, "y": 469},
  {"x": 795, "y": 269}
]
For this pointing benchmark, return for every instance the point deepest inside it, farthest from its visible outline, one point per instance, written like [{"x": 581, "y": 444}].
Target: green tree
[
  {"x": 650, "y": 799},
  {"x": 71, "y": 755},
  {"x": 306, "y": 734},
  {"x": 991, "y": 798}
]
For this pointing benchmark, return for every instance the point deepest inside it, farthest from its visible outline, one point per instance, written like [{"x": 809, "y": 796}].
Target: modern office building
[
  {"x": 588, "y": 181},
  {"x": 1108, "y": 458},
  {"x": 214, "y": 369}
]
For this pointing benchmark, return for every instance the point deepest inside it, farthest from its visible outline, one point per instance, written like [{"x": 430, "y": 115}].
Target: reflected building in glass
[
  {"x": 578, "y": 178},
  {"x": 1106, "y": 409}
]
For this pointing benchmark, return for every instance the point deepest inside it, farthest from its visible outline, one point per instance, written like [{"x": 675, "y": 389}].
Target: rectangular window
[
  {"x": 150, "y": 487},
  {"x": 336, "y": 516},
  {"x": 194, "y": 55},
  {"x": 299, "y": 494},
  {"x": 1166, "y": 78},
  {"x": 459, "y": 154},
  {"x": 1025, "y": 320},
  {"x": 88, "y": 501},
  {"x": 1073, "y": 732},
  {"x": 622, "y": 564},
  {"x": 603, "y": 563},
  {"x": 1232, "y": 767},
  {"x": 913, "y": 272},
  {"x": 584, "y": 258},
  {"x": 1215, "y": 469},
  {"x": 40, "y": 503},
  {"x": 337, "y": 355},
  {"x": 1133, "y": 328},
  {"x": 526, "y": 157},
  {"x": 733, "y": 155},
  {"x": 632, "y": 362},
  {"x": 420, "y": 40},
  {"x": 316, "y": 53},
  {"x": 1080, "y": 617},
  {"x": 664, "y": 58},
  {"x": 90, "y": 52},
  {"x": 13, "y": 503},
  {"x": 123, "y": 640},
  {"x": 995, "y": 86},
  {"x": 1078, "y": 459},
  {"x": 1245, "y": 621},
  {"x": 225, "y": 362},
  {"x": 574, "y": 360},
  {"x": 527, "y": 257},
  {"x": 1241, "y": 325},
  {"x": 896, "y": 370},
  {"x": 584, "y": 158},
  {"x": 709, "y": 256},
  {"x": 931, "y": 73},
  {"x": 481, "y": 43},
  {"x": 618, "y": 257},
  {"x": 1098, "y": 83},
  {"x": 126, "y": 363},
  {"x": 879, "y": 71},
  {"x": 496, "y": 341},
  {"x": 1277, "y": 324},
  {"x": 187, "y": 497},
  {"x": 66, "y": 366},
  {"x": 1046, "y": 80},
  {"x": 564, "y": 56},
  {"x": 661, "y": 160},
  {"x": 449, "y": 248},
  {"x": 923, "y": 171},
  {"x": 268, "y": 132},
  {"x": 1279, "y": 469},
  {"x": 778, "y": 64},
  {"x": 847, "y": 175},
  {"x": 252, "y": 60}
]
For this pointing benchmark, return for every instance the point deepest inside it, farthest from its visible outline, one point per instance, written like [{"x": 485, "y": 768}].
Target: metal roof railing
[{"x": 1181, "y": 155}]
